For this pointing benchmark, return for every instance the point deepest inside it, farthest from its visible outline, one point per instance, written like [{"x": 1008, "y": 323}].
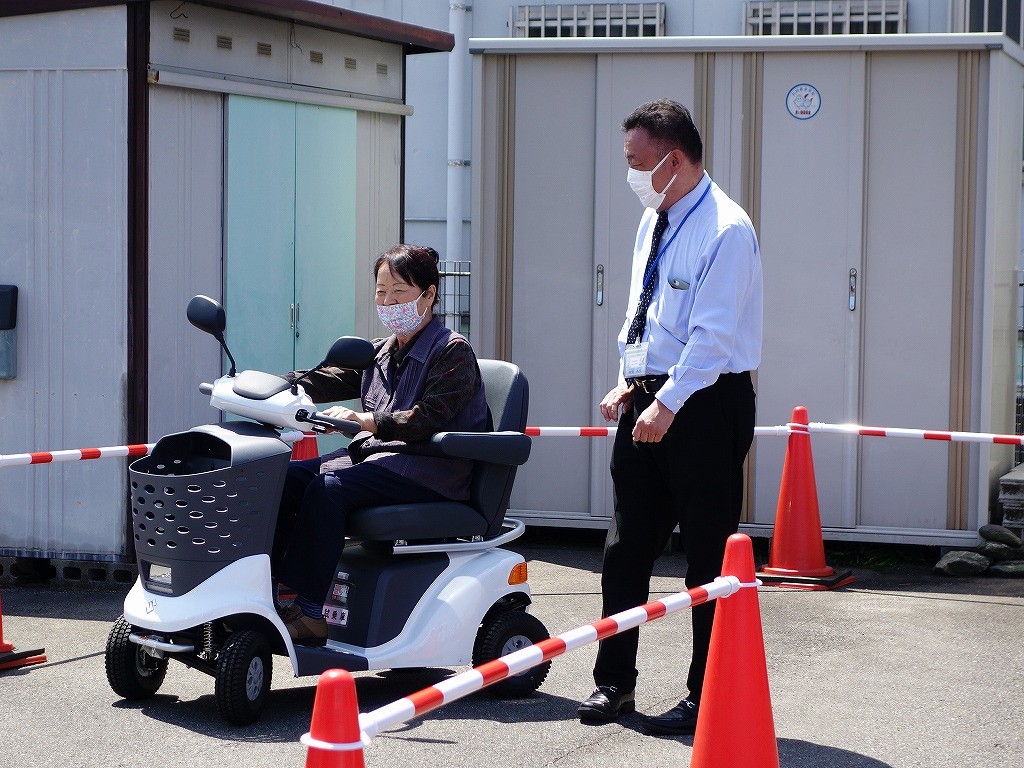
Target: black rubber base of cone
[
  {"x": 837, "y": 579},
  {"x": 13, "y": 659}
]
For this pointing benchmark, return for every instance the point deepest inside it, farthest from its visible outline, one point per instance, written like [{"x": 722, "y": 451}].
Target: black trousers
[
  {"x": 693, "y": 478},
  {"x": 310, "y": 534}
]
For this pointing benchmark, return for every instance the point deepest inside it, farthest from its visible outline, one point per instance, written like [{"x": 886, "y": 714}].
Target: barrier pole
[
  {"x": 78, "y": 454},
  {"x": 466, "y": 683},
  {"x": 920, "y": 434},
  {"x": 289, "y": 436},
  {"x": 781, "y": 430}
]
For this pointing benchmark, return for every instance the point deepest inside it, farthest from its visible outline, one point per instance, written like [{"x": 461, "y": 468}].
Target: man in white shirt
[{"x": 691, "y": 337}]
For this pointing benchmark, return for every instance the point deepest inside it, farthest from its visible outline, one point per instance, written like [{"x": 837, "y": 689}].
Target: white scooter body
[
  {"x": 439, "y": 632},
  {"x": 204, "y": 511}
]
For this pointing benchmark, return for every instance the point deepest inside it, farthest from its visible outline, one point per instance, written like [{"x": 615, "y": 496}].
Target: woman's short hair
[
  {"x": 416, "y": 264},
  {"x": 670, "y": 125}
]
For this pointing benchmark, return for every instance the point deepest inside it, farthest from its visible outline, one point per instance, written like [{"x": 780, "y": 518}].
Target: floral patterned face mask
[{"x": 401, "y": 319}]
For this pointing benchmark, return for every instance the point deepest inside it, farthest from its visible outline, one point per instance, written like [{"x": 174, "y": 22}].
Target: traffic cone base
[
  {"x": 777, "y": 577},
  {"x": 10, "y": 658},
  {"x": 22, "y": 658}
]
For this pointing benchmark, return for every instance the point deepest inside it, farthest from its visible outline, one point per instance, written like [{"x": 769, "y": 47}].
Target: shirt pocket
[{"x": 678, "y": 283}]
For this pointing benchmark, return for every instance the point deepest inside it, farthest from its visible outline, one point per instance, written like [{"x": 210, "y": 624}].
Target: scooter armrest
[{"x": 512, "y": 448}]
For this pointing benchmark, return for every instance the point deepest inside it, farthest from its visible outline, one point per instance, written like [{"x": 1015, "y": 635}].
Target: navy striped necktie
[{"x": 636, "y": 328}]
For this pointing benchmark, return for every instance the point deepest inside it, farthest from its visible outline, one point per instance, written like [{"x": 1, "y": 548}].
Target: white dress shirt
[{"x": 705, "y": 313}]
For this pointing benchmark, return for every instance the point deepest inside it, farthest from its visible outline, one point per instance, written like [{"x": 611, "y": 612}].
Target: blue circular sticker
[{"x": 803, "y": 101}]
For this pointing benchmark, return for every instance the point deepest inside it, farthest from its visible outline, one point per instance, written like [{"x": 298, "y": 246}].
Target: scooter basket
[{"x": 203, "y": 499}]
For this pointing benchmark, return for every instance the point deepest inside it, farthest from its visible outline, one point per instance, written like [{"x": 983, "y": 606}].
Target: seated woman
[{"x": 425, "y": 380}]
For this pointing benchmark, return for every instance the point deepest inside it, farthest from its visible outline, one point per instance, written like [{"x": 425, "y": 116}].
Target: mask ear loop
[{"x": 670, "y": 181}]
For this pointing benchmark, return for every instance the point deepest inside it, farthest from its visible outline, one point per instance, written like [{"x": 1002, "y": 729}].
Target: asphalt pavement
[{"x": 901, "y": 668}]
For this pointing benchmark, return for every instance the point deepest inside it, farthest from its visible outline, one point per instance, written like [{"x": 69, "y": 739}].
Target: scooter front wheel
[
  {"x": 505, "y": 633},
  {"x": 132, "y": 673},
  {"x": 242, "y": 681}
]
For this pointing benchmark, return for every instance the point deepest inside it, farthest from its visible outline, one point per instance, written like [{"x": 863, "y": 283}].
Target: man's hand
[
  {"x": 620, "y": 396},
  {"x": 653, "y": 423},
  {"x": 364, "y": 420}
]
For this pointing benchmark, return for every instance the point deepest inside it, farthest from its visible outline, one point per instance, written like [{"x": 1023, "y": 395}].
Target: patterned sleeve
[{"x": 451, "y": 382}]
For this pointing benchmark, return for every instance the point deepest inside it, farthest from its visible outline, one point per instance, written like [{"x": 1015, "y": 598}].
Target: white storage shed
[
  {"x": 247, "y": 149},
  {"x": 887, "y": 204}
]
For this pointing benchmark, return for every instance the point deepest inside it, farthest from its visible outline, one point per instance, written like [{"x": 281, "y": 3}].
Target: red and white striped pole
[
  {"x": 77, "y": 454},
  {"x": 82, "y": 454},
  {"x": 920, "y": 434},
  {"x": 466, "y": 683},
  {"x": 781, "y": 430}
]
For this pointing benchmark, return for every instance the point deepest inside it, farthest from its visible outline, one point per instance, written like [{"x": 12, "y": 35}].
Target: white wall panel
[
  {"x": 63, "y": 242},
  {"x": 185, "y": 252},
  {"x": 89, "y": 39}
]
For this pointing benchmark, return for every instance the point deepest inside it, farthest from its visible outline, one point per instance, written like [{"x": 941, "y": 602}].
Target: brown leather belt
[{"x": 649, "y": 384}]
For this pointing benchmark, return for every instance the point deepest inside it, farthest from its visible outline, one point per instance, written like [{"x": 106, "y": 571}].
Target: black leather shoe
[
  {"x": 679, "y": 720},
  {"x": 605, "y": 704}
]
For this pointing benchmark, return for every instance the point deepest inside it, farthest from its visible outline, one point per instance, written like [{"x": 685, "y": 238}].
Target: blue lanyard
[{"x": 648, "y": 275}]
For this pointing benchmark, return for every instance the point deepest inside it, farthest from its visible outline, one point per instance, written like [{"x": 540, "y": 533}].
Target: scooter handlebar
[
  {"x": 347, "y": 428},
  {"x": 206, "y": 389}
]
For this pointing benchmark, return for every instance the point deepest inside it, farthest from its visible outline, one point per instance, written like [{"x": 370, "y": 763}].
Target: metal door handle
[
  {"x": 853, "y": 289},
  {"x": 600, "y": 284},
  {"x": 296, "y": 325}
]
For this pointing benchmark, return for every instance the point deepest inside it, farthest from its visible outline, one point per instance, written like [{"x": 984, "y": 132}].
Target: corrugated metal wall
[{"x": 63, "y": 242}]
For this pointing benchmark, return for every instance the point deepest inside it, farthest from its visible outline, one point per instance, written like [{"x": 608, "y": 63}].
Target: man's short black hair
[{"x": 670, "y": 125}]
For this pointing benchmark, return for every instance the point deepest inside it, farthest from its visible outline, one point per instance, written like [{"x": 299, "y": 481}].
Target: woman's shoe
[{"x": 301, "y": 628}]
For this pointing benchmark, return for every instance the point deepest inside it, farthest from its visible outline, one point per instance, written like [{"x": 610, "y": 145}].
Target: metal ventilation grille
[
  {"x": 350, "y": 63},
  {"x": 264, "y": 49},
  {"x": 316, "y": 57},
  {"x": 224, "y": 42},
  {"x": 382, "y": 69},
  {"x": 182, "y": 34}
]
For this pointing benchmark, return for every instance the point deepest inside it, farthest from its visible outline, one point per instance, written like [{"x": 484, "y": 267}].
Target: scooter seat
[{"x": 436, "y": 520}]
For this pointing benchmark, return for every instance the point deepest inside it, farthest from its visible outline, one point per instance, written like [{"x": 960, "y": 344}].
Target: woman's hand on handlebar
[{"x": 364, "y": 420}]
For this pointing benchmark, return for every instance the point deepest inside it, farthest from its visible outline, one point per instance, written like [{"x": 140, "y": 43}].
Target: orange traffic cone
[
  {"x": 306, "y": 448},
  {"x": 334, "y": 738},
  {"x": 735, "y": 726},
  {"x": 797, "y": 555},
  {"x": 10, "y": 658}
]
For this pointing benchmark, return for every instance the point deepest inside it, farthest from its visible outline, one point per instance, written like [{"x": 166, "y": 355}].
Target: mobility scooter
[{"x": 418, "y": 585}]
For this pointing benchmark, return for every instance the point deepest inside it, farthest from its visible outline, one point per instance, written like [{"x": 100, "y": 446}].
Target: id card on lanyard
[{"x": 634, "y": 359}]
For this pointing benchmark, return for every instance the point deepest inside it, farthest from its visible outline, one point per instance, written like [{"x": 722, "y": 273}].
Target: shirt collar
[{"x": 687, "y": 201}]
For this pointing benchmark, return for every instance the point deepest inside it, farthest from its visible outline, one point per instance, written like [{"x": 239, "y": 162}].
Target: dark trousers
[
  {"x": 310, "y": 531},
  {"x": 693, "y": 478}
]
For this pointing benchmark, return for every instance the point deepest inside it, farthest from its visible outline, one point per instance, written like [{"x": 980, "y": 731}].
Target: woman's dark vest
[{"x": 449, "y": 477}]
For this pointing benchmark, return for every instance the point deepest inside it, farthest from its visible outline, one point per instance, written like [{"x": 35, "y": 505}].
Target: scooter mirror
[
  {"x": 350, "y": 352},
  {"x": 207, "y": 315}
]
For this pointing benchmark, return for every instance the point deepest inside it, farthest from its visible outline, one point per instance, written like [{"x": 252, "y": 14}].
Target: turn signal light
[{"x": 518, "y": 574}]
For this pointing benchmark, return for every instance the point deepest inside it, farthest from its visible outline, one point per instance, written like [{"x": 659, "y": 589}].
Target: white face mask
[
  {"x": 402, "y": 319},
  {"x": 641, "y": 183}
]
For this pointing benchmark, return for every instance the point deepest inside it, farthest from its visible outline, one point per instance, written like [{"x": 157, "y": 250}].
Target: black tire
[
  {"x": 242, "y": 682},
  {"x": 500, "y": 635},
  {"x": 132, "y": 673}
]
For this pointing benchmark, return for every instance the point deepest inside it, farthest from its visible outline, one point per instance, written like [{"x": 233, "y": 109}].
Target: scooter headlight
[{"x": 158, "y": 577}]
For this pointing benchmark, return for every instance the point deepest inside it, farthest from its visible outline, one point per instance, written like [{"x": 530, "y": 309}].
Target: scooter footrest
[{"x": 314, "y": 660}]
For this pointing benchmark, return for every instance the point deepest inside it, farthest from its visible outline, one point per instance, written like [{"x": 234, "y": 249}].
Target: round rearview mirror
[{"x": 207, "y": 315}]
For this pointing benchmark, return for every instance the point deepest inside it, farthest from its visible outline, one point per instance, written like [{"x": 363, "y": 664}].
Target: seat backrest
[{"x": 508, "y": 397}]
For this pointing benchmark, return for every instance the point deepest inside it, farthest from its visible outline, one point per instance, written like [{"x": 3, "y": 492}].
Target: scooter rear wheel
[
  {"x": 242, "y": 682},
  {"x": 503, "y": 634},
  {"x": 132, "y": 673}
]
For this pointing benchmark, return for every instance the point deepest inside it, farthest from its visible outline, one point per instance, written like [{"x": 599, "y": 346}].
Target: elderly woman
[{"x": 425, "y": 380}]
